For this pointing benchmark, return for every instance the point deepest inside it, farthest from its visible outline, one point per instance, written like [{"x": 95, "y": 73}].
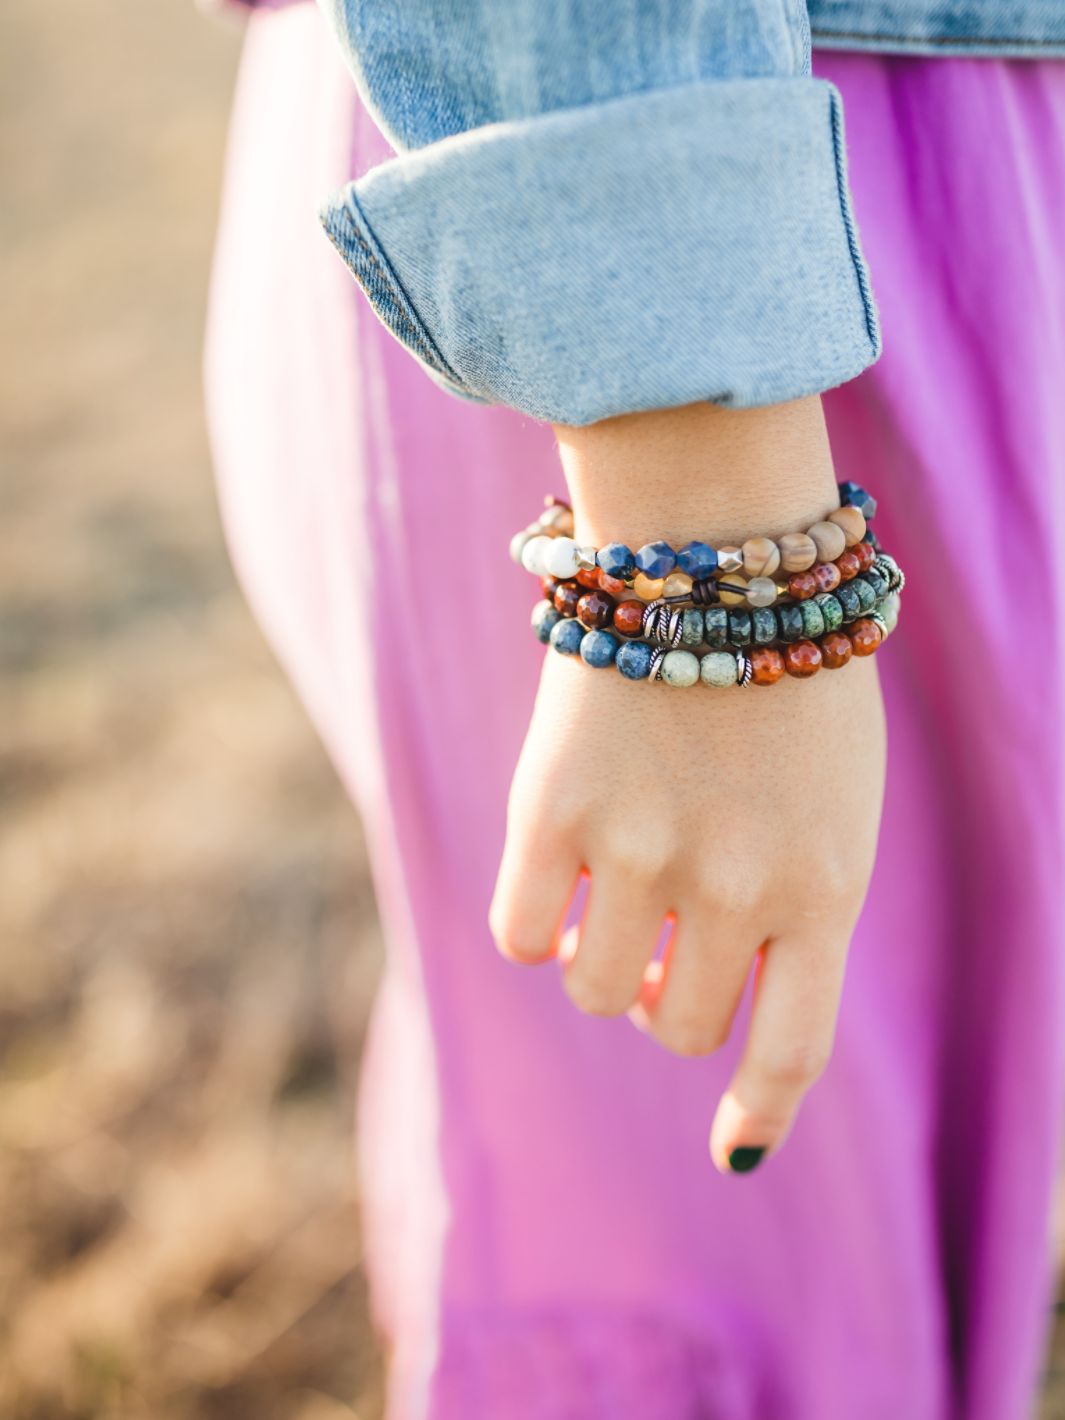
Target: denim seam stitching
[
  {"x": 943, "y": 41},
  {"x": 399, "y": 310},
  {"x": 872, "y": 325}
]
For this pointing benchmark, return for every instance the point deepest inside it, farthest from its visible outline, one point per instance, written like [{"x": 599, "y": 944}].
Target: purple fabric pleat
[{"x": 546, "y": 1236}]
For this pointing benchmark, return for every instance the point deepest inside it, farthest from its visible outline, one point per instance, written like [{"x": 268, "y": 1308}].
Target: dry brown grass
[{"x": 187, "y": 936}]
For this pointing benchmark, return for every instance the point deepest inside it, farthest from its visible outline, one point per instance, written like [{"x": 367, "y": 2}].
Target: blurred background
[{"x": 188, "y": 944}]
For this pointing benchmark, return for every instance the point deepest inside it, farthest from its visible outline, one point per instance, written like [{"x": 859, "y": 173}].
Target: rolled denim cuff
[{"x": 693, "y": 243}]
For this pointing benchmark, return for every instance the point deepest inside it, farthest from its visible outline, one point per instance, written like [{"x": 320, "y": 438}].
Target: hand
[{"x": 746, "y": 817}]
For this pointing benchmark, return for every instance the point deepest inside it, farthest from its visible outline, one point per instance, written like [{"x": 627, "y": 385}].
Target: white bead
[
  {"x": 533, "y": 554},
  {"x": 718, "y": 668},
  {"x": 517, "y": 545},
  {"x": 562, "y": 557}
]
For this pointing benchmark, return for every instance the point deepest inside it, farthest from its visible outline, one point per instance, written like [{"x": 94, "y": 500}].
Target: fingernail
[{"x": 745, "y": 1158}]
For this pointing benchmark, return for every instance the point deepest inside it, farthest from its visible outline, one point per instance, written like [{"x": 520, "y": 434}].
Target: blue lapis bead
[
  {"x": 617, "y": 560},
  {"x": 634, "y": 660},
  {"x": 698, "y": 559},
  {"x": 544, "y": 620},
  {"x": 656, "y": 559},
  {"x": 855, "y": 496},
  {"x": 567, "y": 635},
  {"x": 599, "y": 649}
]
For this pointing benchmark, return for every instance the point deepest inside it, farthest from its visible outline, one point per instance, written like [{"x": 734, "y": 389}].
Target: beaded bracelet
[
  {"x": 547, "y": 549},
  {"x": 762, "y": 665}
]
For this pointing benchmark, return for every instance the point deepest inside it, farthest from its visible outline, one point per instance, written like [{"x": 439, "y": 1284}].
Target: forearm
[{"x": 699, "y": 471}]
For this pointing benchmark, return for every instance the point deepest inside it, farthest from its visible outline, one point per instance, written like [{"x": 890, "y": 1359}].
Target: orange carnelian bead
[
  {"x": 613, "y": 586},
  {"x": 848, "y": 565},
  {"x": 828, "y": 576},
  {"x": 802, "y": 659},
  {"x": 628, "y": 618},
  {"x": 767, "y": 665},
  {"x": 589, "y": 577},
  {"x": 595, "y": 609},
  {"x": 802, "y": 586},
  {"x": 866, "y": 555},
  {"x": 567, "y": 595},
  {"x": 835, "y": 649},
  {"x": 865, "y": 636}
]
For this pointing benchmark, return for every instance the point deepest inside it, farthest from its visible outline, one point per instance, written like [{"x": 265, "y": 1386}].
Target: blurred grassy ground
[{"x": 187, "y": 936}]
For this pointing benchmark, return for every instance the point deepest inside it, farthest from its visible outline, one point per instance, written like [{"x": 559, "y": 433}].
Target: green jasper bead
[
  {"x": 691, "y": 627},
  {"x": 680, "y": 668},
  {"x": 716, "y": 627},
  {"x": 739, "y": 627},
  {"x": 865, "y": 594},
  {"x": 813, "y": 622},
  {"x": 790, "y": 619},
  {"x": 718, "y": 668},
  {"x": 849, "y": 600},
  {"x": 763, "y": 625},
  {"x": 831, "y": 611}
]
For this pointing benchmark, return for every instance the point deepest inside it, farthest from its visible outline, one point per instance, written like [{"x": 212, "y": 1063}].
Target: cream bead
[
  {"x": 829, "y": 539},
  {"x": 761, "y": 557},
  {"x": 677, "y": 584},
  {"x": 852, "y": 521},
  {"x": 729, "y": 559},
  {"x": 561, "y": 557},
  {"x": 533, "y": 554},
  {"x": 718, "y": 668},
  {"x": 647, "y": 588},
  {"x": 736, "y": 597},
  {"x": 797, "y": 552},
  {"x": 761, "y": 591},
  {"x": 680, "y": 668}
]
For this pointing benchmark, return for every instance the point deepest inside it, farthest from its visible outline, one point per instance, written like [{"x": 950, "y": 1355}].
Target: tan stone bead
[
  {"x": 829, "y": 539},
  {"x": 677, "y": 584},
  {"x": 559, "y": 517},
  {"x": 736, "y": 597},
  {"x": 761, "y": 591},
  {"x": 852, "y": 521},
  {"x": 647, "y": 588},
  {"x": 797, "y": 552},
  {"x": 761, "y": 557},
  {"x": 729, "y": 559}
]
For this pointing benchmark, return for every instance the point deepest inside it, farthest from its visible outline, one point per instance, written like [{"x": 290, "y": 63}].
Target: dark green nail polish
[{"x": 745, "y": 1158}]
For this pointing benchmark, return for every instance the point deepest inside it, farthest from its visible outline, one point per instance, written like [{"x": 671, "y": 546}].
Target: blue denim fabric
[
  {"x": 602, "y": 206},
  {"x": 1005, "y": 28}
]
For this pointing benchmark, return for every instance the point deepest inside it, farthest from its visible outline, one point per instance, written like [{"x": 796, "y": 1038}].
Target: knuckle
[
  {"x": 688, "y": 1035},
  {"x": 730, "y": 894},
  {"x": 795, "y": 1068},
  {"x": 596, "y": 992}
]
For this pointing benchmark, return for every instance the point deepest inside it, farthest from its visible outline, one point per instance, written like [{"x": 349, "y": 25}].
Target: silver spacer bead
[
  {"x": 662, "y": 623},
  {"x": 744, "y": 669},
  {"x": 876, "y": 616},
  {"x": 655, "y": 670},
  {"x": 586, "y": 558}
]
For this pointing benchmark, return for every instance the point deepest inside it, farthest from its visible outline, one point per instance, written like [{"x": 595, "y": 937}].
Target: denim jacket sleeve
[{"x": 600, "y": 206}]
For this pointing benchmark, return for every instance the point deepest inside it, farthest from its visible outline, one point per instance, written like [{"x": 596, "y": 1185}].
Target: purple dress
[{"x": 547, "y": 1237}]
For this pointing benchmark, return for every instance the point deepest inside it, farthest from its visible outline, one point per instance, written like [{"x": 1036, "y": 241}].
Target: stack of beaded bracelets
[{"x": 645, "y": 612}]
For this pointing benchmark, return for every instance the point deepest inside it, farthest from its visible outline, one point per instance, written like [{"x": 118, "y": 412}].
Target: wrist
[{"x": 699, "y": 471}]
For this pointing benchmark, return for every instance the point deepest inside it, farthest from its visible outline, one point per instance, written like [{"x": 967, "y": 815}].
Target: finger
[
  {"x": 688, "y": 1004},
  {"x": 614, "y": 943},
  {"x": 536, "y": 881},
  {"x": 793, "y": 1020}
]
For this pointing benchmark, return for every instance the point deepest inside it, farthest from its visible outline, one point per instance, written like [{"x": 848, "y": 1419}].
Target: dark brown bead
[
  {"x": 848, "y": 565},
  {"x": 835, "y": 649},
  {"x": 588, "y": 577},
  {"x": 802, "y": 586},
  {"x": 828, "y": 576},
  {"x": 613, "y": 586},
  {"x": 767, "y": 665},
  {"x": 865, "y": 636},
  {"x": 628, "y": 618},
  {"x": 567, "y": 595},
  {"x": 549, "y": 586},
  {"x": 865, "y": 553},
  {"x": 595, "y": 609},
  {"x": 802, "y": 659}
]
